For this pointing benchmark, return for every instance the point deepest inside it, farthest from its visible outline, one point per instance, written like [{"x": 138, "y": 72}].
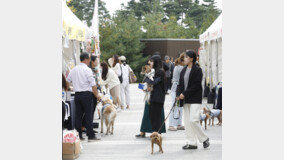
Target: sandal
[
  {"x": 172, "y": 128},
  {"x": 180, "y": 128},
  {"x": 140, "y": 135}
]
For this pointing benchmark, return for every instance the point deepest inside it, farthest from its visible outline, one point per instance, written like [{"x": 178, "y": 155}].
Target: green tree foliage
[
  {"x": 122, "y": 36},
  {"x": 121, "y": 33},
  {"x": 84, "y": 10}
]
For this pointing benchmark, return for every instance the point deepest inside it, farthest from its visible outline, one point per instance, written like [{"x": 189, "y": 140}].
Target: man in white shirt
[{"x": 84, "y": 86}]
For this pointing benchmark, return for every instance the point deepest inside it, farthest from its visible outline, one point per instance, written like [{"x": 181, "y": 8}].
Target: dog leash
[{"x": 167, "y": 116}]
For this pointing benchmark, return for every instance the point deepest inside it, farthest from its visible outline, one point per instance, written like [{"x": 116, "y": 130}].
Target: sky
[{"x": 113, "y": 5}]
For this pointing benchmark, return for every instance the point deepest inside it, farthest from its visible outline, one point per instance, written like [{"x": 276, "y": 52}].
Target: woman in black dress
[
  {"x": 146, "y": 126},
  {"x": 158, "y": 93}
]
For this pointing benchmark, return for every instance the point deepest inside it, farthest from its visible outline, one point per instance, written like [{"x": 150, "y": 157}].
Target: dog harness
[
  {"x": 215, "y": 112},
  {"x": 104, "y": 106},
  {"x": 202, "y": 117}
]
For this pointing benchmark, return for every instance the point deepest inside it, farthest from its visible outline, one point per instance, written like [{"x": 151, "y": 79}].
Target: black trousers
[
  {"x": 168, "y": 83},
  {"x": 83, "y": 102},
  {"x": 155, "y": 115},
  {"x": 94, "y": 109}
]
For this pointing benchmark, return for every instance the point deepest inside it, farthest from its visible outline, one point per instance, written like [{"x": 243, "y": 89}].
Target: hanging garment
[
  {"x": 67, "y": 111},
  {"x": 211, "y": 97},
  {"x": 219, "y": 99}
]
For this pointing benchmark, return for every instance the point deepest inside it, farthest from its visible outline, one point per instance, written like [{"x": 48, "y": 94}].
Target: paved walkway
[{"x": 123, "y": 144}]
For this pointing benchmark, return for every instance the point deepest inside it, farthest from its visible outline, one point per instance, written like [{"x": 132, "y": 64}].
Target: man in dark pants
[
  {"x": 93, "y": 65},
  {"x": 94, "y": 106},
  {"x": 84, "y": 86}
]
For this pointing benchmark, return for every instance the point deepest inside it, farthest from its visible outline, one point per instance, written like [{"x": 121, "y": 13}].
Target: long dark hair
[
  {"x": 159, "y": 68},
  {"x": 157, "y": 62},
  {"x": 104, "y": 70},
  {"x": 64, "y": 83},
  {"x": 116, "y": 60}
]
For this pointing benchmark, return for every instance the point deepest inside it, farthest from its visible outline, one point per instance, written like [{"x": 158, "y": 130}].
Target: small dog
[
  {"x": 215, "y": 113},
  {"x": 204, "y": 117},
  {"x": 149, "y": 73},
  {"x": 157, "y": 139},
  {"x": 108, "y": 114}
]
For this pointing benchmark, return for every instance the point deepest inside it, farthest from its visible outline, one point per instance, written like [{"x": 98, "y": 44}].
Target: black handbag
[{"x": 120, "y": 77}]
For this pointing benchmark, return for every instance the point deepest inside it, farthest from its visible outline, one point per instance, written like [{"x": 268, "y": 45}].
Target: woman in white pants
[
  {"x": 175, "y": 122},
  {"x": 189, "y": 92}
]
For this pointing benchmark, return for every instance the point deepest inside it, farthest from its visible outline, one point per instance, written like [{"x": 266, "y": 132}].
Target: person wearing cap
[
  {"x": 124, "y": 86},
  {"x": 157, "y": 98},
  {"x": 189, "y": 92}
]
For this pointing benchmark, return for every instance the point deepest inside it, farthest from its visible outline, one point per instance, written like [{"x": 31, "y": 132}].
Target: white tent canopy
[
  {"x": 213, "y": 32},
  {"x": 74, "y": 32},
  {"x": 211, "y": 53},
  {"x": 73, "y": 26}
]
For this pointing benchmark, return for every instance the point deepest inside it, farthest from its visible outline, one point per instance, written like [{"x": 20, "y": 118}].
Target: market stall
[
  {"x": 210, "y": 53},
  {"x": 74, "y": 37}
]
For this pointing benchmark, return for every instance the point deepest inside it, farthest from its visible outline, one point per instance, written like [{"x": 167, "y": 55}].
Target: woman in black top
[
  {"x": 189, "y": 92},
  {"x": 157, "y": 97},
  {"x": 146, "y": 126}
]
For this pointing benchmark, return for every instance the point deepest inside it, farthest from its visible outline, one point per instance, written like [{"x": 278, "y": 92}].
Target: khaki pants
[
  {"x": 192, "y": 126},
  {"x": 115, "y": 93}
]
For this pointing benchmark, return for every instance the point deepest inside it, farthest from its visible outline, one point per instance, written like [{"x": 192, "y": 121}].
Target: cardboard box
[{"x": 71, "y": 151}]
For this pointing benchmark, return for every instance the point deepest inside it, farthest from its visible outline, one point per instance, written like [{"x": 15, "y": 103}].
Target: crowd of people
[
  {"x": 87, "y": 83},
  {"x": 184, "y": 80},
  {"x": 181, "y": 78}
]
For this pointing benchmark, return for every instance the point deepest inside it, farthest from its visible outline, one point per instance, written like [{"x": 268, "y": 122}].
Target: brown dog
[
  {"x": 205, "y": 117},
  {"x": 108, "y": 114},
  {"x": 146, "y": 69},
  {"x": 215, "y": 113},
  {"x": 157, "y": 139}
]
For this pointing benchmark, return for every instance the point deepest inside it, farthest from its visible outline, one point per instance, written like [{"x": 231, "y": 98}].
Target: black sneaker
[
  {"x": 94, "y": 132},
  {"x": 140, "y": 136},
  {"x": 206, "y": 143},
  {"x": 93, "y": 139},
  {"x": 189, "y": 147}
]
